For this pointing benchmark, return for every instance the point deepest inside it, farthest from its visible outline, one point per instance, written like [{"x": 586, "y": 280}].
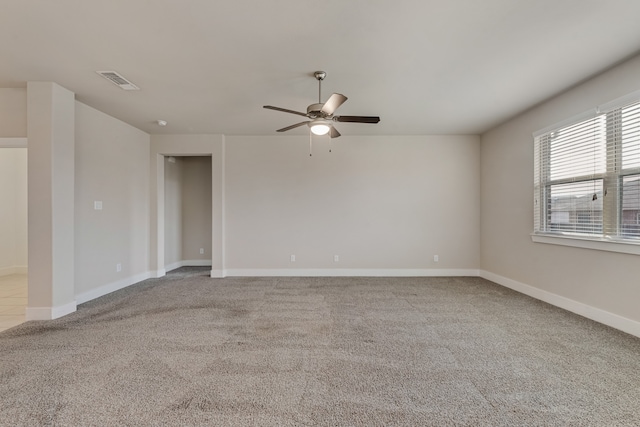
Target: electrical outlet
[
  {"x": 436, "y": 258},
  {"x": 201, "y": 251},
  {"x": 336, "y": 258},
  {"x": 97, "y": 205},
  {"x": 118, "y": 268},
  {"x": 293, "y": 258}
]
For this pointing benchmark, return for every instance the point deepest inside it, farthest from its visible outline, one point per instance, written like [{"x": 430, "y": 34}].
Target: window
[{"x": 587, "y": 175}]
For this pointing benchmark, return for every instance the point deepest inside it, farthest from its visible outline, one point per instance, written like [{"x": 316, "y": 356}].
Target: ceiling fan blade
[
  {"x": 357, "y": 119},
  {"x": 271, "y": 107},
  {"x": 334, "y": 132},
  {"x": 333, "y": 103},
  {"x": 293, "y": 126}
]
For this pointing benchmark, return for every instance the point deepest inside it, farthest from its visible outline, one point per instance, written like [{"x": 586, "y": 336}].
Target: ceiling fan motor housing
[{"x": 314, "y": 111}]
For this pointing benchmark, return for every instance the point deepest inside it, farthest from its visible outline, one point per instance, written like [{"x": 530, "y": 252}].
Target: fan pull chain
[
  {"x": 330, "y": 139},
  {"x": 310, "y": 140}
]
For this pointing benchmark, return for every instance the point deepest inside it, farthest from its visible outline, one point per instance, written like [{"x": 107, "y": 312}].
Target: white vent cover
[{"x": 118, "y": 80}]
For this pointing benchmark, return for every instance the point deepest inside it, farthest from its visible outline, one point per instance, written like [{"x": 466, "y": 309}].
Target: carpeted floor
[{"x": 190, "y": 350}]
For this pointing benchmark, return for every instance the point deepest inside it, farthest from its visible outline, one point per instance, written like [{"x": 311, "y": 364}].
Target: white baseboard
[
  {"x": 158, "y": 273},
  {"x": 172, "y": 266},
  {"x": 112, "y": 287},
  {"x": 188, "y": 263},
  {"x": 345, "y": 272},
  {"x": 50, "y": 313},
  {"x": 610, "y": 319},
  {"x": 601, "y": 316},
  {"x": 16, "y": 269}
]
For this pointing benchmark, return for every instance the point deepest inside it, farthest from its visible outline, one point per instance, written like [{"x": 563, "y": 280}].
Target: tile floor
[{"x": 13, "y": 300}]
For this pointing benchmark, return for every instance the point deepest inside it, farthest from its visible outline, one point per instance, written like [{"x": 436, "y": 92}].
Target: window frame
[{"x": 612, "y": 237}]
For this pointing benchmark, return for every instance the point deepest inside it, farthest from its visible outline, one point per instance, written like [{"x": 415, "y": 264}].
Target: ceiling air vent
[{"x": 118, "y": 80}]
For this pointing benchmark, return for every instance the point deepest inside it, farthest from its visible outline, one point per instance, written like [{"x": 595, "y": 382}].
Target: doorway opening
[
  {"x": 187, "y": 211},
  {"x": 13, "y": 236}
]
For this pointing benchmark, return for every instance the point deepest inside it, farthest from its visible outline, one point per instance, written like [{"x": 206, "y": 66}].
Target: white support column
[
  {"x": 218, "y": 237},
  {"x": 51, "y": 135},
  {"x": 157, "y": 235}
]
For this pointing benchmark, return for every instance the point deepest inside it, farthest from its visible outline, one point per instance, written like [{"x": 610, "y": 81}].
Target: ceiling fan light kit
[
  {"x": 321, "y": 114},
  {"x": 320, "y": 127}
]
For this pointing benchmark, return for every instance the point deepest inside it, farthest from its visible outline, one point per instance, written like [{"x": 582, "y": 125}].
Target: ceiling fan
[{"x": 321, "y": 114}]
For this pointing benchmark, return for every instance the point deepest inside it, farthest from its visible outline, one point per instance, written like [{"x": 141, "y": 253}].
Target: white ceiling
[{"x": 424, "y": 66}]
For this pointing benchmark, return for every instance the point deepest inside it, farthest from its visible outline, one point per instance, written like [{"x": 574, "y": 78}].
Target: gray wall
[
  {"x": 112, "y": 166},
  {"x": 196, "y": 208},
  {"x": 601, "y": 280},
  {"x": 378, "y": 202},
  {"x": 13, "y": 112}
]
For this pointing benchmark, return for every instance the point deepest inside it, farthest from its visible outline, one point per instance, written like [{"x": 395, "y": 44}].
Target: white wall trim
[
  {"x": 13, "y": 142},
  {"x": 621, "y": 246},
  {"x": 50, "y": 313},
  {"x": 112, "y": 287},
  {"x": 347, "y": 272},
  {"x": 601, "y": 316},
  {"x": 188, "y": 263},
  {"x": 16, "y": 269},
  {"x": 217, "y": 274}
]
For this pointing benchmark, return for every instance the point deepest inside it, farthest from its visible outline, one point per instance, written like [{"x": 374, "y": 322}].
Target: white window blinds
[
  {"x": 630, "y": 132},
  {"x": 570, "y": 174},
  {"x": 587, "y": 174}
]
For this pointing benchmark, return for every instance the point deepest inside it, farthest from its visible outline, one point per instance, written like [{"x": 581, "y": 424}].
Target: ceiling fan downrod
[{"x": 320, "y": 75}]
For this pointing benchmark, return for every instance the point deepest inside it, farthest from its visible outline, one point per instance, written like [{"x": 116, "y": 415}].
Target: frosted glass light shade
[{"x": 320, "y": 129}]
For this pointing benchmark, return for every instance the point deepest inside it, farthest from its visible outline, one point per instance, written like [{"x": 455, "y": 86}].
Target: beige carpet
[{"x": 190, "y": 350}]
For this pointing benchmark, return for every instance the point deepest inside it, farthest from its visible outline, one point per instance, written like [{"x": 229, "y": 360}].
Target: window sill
[{"x": 608, "y": 245}]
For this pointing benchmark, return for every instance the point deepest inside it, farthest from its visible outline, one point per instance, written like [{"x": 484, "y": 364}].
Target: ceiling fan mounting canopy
[{"x": 322, "y": 114}]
